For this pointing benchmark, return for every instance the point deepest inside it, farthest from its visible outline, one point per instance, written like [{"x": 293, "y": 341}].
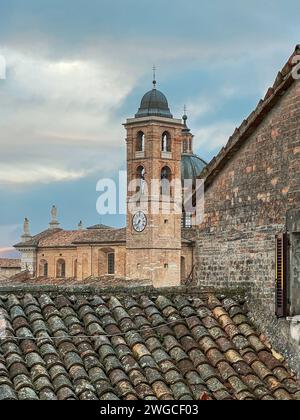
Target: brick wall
[
  {"x": 246, "y": 206},
  {"x": 247, "y": 202},
  {"x": 155, "y": 253}
]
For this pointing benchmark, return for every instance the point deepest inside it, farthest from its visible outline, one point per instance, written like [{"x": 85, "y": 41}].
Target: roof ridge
[{"x": 87, "y": 289}]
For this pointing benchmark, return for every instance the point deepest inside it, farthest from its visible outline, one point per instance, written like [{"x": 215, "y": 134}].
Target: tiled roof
[
  {"x": 62, "y": 238},
  {"x": 100, "y": 226},
  {"x": 25, "y": 278},
  {"x": 34, "y": 241},
  {"x": 70, "y": 238},
  {"x": 10, "y": 263},
  {"x": 146, "y": 345},
  {"x": 101, "y": 236},
  {"x": 283, "y": 81}
]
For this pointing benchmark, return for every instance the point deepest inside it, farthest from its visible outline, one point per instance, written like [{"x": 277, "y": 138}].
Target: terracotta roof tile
[
  {"x": 164, "y": 347},
  {"x": 97, "y": 234},
  {"x": 10, "y": 263},
  {"x": 34, "y": 241}
]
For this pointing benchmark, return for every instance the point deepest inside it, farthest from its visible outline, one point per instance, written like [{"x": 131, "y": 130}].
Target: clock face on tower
[{"x": 139, "y": 221}]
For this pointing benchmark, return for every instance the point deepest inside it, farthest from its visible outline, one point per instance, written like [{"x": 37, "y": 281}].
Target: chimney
[
  {"x": 26, "y": 231},
  {"x": 54, "y": 223},
  {"x": 80, "y": 225}
]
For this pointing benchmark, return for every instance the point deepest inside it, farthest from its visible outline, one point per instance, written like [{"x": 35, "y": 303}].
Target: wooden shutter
[{"x": 282, "y": 275}]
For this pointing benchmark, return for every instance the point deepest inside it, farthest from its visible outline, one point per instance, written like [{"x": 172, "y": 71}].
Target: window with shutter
[{"x": 282, "y": 275}]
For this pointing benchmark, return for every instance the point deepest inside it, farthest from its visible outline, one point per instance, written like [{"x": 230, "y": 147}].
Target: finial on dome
[
  {"x": 185, "y": 117},
  {"x": 154, "y": 77},
  {"x": 186, "y": 129}
]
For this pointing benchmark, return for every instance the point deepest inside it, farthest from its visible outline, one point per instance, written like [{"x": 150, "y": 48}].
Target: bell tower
[{"x": 154, "y": 147}]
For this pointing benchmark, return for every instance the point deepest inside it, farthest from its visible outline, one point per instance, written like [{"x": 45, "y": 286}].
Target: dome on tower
[
  {"x": 154, "y": 103},
  {"x": 191, "y": 167}
]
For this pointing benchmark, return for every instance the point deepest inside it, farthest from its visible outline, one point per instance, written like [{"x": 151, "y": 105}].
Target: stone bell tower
[{"x": 154, "y": 147}]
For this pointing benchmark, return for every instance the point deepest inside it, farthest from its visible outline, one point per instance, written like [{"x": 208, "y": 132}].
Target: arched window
[
  {"x": 140, "y": 172},
  {"x": 166, "y": 178},
  {"x": 43, "y": 269},
  {"x": 61, "y": 269},
  {"x": 183, "y": 274},
  {"x": 111, "y": 263},
  {"x": 140, "y": 175},
  {"x": 166, "y": 173},
  {"x": 140, "y": 142},
  {"x": 166, "y": 142}
]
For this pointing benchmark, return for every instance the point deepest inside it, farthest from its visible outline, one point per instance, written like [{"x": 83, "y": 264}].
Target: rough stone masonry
[{"x": 250, "y": 188}]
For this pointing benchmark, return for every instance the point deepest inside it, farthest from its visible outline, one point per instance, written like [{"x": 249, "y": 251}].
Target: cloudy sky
[{"x": 76, "y": 69}]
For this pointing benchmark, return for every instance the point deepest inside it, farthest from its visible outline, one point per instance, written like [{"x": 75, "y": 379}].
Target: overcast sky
[{"x": 76, "y": 69}]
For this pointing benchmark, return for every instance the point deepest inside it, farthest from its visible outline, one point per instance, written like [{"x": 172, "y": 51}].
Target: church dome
[
  {"x": 154, "y": 103},
  {"x": 191, "y": 167}
]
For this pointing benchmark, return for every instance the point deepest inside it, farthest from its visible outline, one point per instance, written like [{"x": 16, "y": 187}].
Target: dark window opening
[
  {"x": 166, "y": 142},
  {"x": 44, "y": 268},
  {"x": 166, "y": 178},
  {"x": 75, "y": 268},
  {"x": 183, "y": 275},
  {"x": 111, "y": 263},
  {"x": 140, "y": 142},
  {"x": 140, "y": 174},
  {"x": 61, "y": 269}
]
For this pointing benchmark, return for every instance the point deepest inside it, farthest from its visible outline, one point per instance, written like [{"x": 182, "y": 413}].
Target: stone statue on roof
[
  {"x": 54, "y": 223},
  {"x": 54, "y": 213},
  {"x": 26, "y": 231},
  {"x": 26, "y": 226}
]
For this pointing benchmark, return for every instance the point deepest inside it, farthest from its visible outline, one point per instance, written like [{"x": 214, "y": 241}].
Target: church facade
[{"x": 157, "y": 245}]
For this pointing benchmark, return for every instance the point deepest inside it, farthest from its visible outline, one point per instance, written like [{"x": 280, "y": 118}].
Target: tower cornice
[{"x": 152, "y": 120}]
